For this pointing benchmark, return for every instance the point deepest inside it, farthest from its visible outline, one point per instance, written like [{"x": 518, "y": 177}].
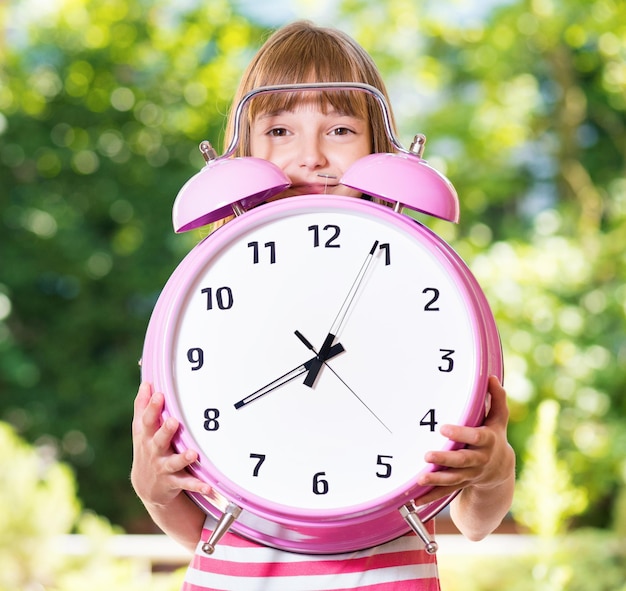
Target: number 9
[{"x": 196, "y": 358}]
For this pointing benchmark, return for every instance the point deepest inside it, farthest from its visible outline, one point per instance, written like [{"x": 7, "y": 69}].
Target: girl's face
[{"x": 313, "y": 147}]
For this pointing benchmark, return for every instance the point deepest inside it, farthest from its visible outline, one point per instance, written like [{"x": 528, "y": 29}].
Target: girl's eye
[
  {"x": 341, "y": 131},
  {"x": 277, "y": 132}
]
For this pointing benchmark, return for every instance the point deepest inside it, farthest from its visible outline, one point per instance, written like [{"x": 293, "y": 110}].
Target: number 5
[{"x": 385, "y": 465}]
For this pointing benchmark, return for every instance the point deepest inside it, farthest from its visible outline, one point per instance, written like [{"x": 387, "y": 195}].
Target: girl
[{"x": 314, "y": 138}]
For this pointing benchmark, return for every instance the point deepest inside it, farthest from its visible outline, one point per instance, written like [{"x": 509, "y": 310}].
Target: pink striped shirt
[{"x": 239, "y": 564}]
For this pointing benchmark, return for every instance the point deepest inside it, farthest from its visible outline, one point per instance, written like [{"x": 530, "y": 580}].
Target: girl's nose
[{"x": 311, "y": 154}]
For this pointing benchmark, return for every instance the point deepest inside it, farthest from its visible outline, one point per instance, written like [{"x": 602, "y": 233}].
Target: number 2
[{"x": 430, "y": 305}]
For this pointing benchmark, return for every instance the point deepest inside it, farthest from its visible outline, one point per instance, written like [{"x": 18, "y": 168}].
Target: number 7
[{"x": 261, "y": 459}]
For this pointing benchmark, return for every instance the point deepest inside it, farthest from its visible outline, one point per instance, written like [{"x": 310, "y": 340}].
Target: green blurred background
[{"x": 102, "y": 106}]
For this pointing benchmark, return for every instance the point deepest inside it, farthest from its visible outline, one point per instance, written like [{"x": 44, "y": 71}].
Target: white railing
[
  {"x": 148, "y": 552},
  {"x": 152, "y": 552}
]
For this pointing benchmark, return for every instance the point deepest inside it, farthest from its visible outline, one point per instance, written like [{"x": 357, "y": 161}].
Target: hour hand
[{"x": 326, "y": 352}]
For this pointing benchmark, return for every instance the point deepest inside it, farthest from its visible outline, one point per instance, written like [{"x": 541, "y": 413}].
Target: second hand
[{"x": 309, "y": 346}]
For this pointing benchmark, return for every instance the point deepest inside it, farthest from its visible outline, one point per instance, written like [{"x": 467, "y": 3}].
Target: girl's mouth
[{"x": 328, "y": 180}]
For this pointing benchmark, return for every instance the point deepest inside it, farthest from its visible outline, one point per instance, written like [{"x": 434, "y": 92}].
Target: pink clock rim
[{"x": 490, "y": 361}]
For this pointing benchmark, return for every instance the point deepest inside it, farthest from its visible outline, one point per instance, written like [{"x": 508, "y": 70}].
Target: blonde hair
[{"x": 302, "y": 52}]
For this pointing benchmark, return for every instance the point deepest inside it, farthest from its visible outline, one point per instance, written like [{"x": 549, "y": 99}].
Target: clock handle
[
  {"x": 225, "y": 521},
  {"x": 409, "y": 512}
]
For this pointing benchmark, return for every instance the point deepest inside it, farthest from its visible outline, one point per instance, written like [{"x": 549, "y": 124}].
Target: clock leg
[
  {"x": 226, "y": 520},
  {"x": 409, "y": 512}
]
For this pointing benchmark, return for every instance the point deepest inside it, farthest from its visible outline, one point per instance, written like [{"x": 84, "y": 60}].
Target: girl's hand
[
  {"x": 484, "y": 469},
  {"x": 158, "y": 473}
]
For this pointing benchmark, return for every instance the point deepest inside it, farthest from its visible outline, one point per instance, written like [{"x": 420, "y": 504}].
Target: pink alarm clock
[{"x": 312, "y": 346}]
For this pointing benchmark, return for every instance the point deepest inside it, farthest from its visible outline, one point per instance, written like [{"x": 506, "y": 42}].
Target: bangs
[{"x": 353, "y": 103}]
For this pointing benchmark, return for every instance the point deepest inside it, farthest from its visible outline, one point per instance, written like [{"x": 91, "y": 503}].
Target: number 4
[{"x": 428, "y": 420}]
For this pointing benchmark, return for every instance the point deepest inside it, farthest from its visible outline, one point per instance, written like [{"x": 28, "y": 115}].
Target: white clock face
[{"x": 400, "y": 361}]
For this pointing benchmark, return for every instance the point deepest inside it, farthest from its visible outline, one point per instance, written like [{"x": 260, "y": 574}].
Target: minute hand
[
  {"x": 323, "y": 355},
  {"x": 285, "y": 378}
]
